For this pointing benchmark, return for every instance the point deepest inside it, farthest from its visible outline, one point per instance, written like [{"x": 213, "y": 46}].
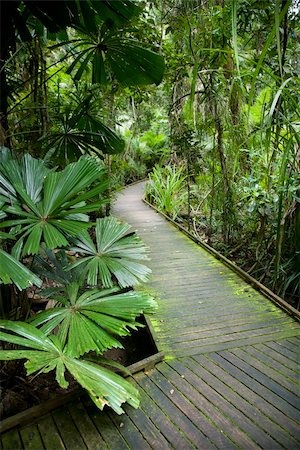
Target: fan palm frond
[{"x": 114, "y": 255}]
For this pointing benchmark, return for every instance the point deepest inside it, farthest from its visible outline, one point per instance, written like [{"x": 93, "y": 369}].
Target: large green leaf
[
  {"x": 90, "y": 321},
  {"x": 131, "y": 62},
  {"x": 113, "y": 255},
  {"x": 28, "y": 173},
  {"x": 46, "y": 354},
  {"x": 13, "y": 271},
  {"x": 50, "y": 206},
  {"x": 82, "y": 132}
]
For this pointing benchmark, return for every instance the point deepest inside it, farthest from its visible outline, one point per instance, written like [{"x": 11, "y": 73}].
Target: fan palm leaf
[
  {"x": 13, "y": 271},
  {"x": 80, "y": 133},
  {"x": 44, "y": 354},
  {"x": 88, "y": 322},
  {"x": 49, "y": 206},
  {"x": 113, "y": 255},
  {"x": 109, "y": 54}
]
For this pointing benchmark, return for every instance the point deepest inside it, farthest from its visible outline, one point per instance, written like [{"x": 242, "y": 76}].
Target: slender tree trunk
[
  {"x": 227, "y": 210},
  {"x": 4, "y": 127},
  {"x": 111, "y": 105}
]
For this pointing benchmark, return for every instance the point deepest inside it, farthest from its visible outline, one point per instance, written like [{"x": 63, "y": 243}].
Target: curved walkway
[{"x": 231, "y": 374}]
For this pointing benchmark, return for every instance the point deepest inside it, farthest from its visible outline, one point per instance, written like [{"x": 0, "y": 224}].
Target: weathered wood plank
[
  {"x": 49, "y": 433},
  {"x": 31, "y": 437},
  {"x": 278, "y": 357},
  {"x": 265, "y": 375},
  {"x": 238, "y": 418},
  {"x": 91, "y": 437},
  {"x": 160, "y": 419},
  {"x": 293, "y": 349},
  {"x": 11, "y": 440},
  {"x": 210, "y": 426},
  {"x": 220, "y": 332},
  {"x": 147, "y": 429},
  {"x": 281, "y": 348},
  {"x": 190, "y": 350},
  {"x": 284, "y": 375},
  {"x": 129, "y": 431},
  {"x": 176, "y": 415},
  {"x": 197, "y": 392},
  {"x": 272, "y": 405},
  {"x": 105, "y": 427},
  {"x": 266, "y": 430},
  {"x": 68, "y": 431}
]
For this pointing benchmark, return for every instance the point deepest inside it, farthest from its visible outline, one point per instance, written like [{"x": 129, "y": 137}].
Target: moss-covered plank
[
  {"x": 266, "y": 430},
  {"x": 87, "y": 429},
  {"x": 49, "y": 433},
  {"x": 160, "y": 418},
  {"x": 227, "y": 342},
  {"x": 105, "y": 427},
  {"x": 69, "y": 433},
  {"x": 11, "y": 440},
  {"x": 31, "y": 437},
  {"x": 274, "y": 406}
]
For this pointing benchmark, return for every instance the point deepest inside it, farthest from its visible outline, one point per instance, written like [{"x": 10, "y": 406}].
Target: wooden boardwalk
[{"x": 231, "y": 374}]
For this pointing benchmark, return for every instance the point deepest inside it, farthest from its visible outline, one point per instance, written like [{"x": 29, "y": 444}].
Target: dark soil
[{"x": 19, "y": 392}]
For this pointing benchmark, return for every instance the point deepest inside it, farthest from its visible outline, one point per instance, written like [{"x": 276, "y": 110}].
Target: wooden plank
[
  {"x": 266, "y": 375},
  {"x": 175, "y": 414},
  {"x": 208, "y": 338},
  {"x": 240, "y": 397},
  {"x": 31, "y": 437},
  {"x": 287, "y": 377},
  {"x": 209, "y": 426},
  {"x": 147, "y": 428},
  {"x": 236, "y": 329},
  {"x": 199, "y": 398},
  {"x": 275, "y": 407},
  {"x": 231, "y": 342},
  {"x": 105, "y": 427},
  {"x": 280, "y": 348},
  {"x": 293, "y": 349},
  {"x": 189, "y": 369},
  {"x": 86, "y": 427},
  {"x": 160, "y": 419},
  {"x": 11, "y": 440},
  {"x": 129, "y": 431},
  {"x": 213, "y": 322},
  {"x": 69, "y": 433},
  {"x": 49, "y": 433},
  {"x": 281, "y": 359}
]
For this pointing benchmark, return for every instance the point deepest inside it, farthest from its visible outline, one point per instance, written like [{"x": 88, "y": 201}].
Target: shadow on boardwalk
[{"x": 231, "y": 375}]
